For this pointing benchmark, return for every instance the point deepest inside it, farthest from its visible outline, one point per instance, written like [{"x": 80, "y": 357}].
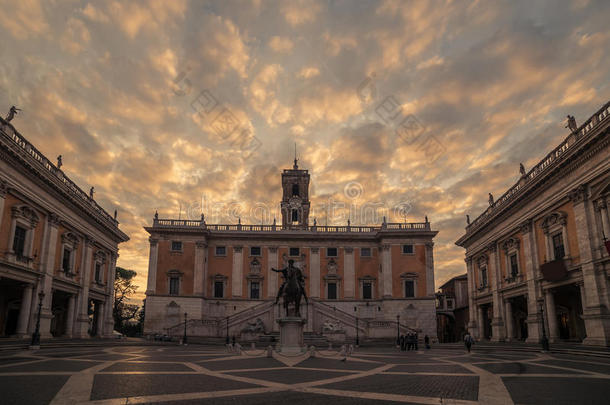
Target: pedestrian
[
  {"x": 427, "y": 342},
  {"x": 409, "y": 341},
  {"x": 416, "y": 341},
  {"x": 468, "y": 341},
  {"x": 403, "y": 344}
]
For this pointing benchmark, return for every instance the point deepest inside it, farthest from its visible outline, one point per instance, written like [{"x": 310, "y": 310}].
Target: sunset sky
[{"x": 412, "y": 107}]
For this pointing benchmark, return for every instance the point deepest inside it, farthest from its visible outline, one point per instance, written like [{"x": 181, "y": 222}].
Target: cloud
[
  {"x": 24, "y": 19},
  {"x": 279, "y": 44},
  {"x": 300, "y": 12}
]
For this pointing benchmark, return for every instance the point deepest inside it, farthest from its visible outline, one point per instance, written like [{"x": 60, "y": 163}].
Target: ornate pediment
[
  {"x": 255, "y": 266},
  {"x": 554, "y": 219},
  {"x": 27, "y": 213},
  {"x": 70, "y": 238},
  {"x": 512, "y": 243},
  {"x": 409, "y": 275},
  {"x": 331, "y": 266}
]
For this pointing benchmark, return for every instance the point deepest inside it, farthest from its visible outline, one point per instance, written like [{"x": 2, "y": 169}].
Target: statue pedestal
[{"x": 291, "y": 335}]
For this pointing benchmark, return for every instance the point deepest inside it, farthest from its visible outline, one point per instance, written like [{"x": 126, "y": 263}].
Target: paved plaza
[{"x": 204, "y": 374}]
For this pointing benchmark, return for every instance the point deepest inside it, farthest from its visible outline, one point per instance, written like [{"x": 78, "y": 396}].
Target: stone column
[
  {"x": 237, "y": 273},
  {"x": 602, "y": 207},
  {"x": 551, "y": 315},
  {"x": 198, "y": 273},
  {"x": 108, "y": 315},
  {"x": 24, "y": 311},
  {"x": 595, "y": 314},
  {"x": 152, "y": 266},
  {"x": 583, "y": 303},
  {"x": 509, "y": 320},
  {"x": 100, "y": 319},
  {"x": 272, "y": 285},
  {"x": 3, "y": 192},
  {"x": 82, "y": 320},
  {"x": 386, "y": 270},
  {"x": 314, "y": 281},
  {"x": 429, "y": 269},
  {"x": 533, "y": 317},
  {"x": 472, "y": 315},
  {"x": 481, "y": 328},
  {"x": 497, "y": 323},
  {"x": 70, "y": 317},
  {"x": 46, "y": 282},
  {"x": 349, "y": 273}
]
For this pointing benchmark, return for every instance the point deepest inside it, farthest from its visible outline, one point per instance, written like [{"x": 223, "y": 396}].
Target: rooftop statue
[
  {"x": 11, "y": 113},
  {"x": 571, "y": 123}
]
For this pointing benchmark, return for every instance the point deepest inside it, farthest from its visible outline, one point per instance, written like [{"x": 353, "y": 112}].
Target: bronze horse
[{"x": 292, "y": 289}]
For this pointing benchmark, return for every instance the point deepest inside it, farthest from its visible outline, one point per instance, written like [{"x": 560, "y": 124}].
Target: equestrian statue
[{"x": 292, "y": 288}]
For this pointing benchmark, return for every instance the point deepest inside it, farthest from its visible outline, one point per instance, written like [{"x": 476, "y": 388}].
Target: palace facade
[
  {"x": 538, "y": 258},
  {"x": 57, "y": 246},
  {"x": 372, "y": 278}
]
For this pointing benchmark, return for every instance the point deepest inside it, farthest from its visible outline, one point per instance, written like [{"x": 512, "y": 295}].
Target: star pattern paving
[{"x": 194, "y": 374}]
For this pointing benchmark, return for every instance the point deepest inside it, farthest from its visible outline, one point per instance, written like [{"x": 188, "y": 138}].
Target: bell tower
[{"x": 295, "y": 197}]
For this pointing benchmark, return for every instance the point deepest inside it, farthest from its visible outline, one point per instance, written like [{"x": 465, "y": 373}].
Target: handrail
[
  {"x": 34, "y": 154},
  {"x": 548, "y": 161},
  {"x": 187, "y": 223}
]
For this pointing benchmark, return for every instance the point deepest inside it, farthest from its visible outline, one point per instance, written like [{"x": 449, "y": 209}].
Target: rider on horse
[{"x": 286, "y": 272}]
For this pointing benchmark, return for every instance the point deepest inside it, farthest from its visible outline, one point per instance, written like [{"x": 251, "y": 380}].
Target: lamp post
[
  {"x": 184, "y": 337},
  {"x": 227, "y": 338},
  {"x": 36, "y": 334},
  {"x": 398, "y": 330},
  {"x": 544, "y": 341},
  {"x": 357, "y": 337}
]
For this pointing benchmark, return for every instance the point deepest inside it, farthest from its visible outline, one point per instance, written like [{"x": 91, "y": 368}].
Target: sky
[{"x": 403, "y": 109}]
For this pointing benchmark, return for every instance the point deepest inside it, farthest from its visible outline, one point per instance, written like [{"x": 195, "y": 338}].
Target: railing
[
  {"x": 31, "y": 152},
  {"x": 549, "y": 160},
  {"x": 186, "y": 223}
]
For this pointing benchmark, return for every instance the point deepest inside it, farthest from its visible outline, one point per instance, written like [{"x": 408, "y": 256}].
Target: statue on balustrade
[
  {"x": 292, "y": 288},
  {"x": 11, "y": 113},
  {"x": 572, "y": 123},
  {"x": 521, "y": 169},
  {"x": 491, "y": 199}
]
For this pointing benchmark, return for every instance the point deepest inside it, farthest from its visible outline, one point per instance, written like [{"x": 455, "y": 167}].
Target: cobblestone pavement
[{"x": 200, "y": 374}]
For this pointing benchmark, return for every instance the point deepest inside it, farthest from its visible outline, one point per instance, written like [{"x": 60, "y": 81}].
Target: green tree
[{"x": 124, "y": 288}]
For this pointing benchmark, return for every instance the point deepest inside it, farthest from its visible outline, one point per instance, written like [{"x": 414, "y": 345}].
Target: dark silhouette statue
[
  {"x": 292, "y": 288},
  {"x": 11, "y": 113}
]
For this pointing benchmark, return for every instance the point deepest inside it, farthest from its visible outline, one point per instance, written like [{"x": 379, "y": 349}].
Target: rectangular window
[
  {"x": 221, "y": 251},
  {"x": 295, "y": 216},
  {"x": 176, "y": 246},
  {"x": 174, "y": 285},
  {"x": 19, "y": 241},
  {"x": 255, "y": 290},
  {"x": 98, "y": 270},
  {"x": 514, "y": 266},
  {"x": 294, "y": 251},
  {"x": 365, "y": 252},
  {"x": 367, "y": 290},
  {"x": 484, "y": 277},
  {"x": 407, "y": 249},
  {"x": 331, "y": 252},
  {"x": 65, "y": 265},
  {"x": 449, "y": 304},
  {"x": 332, "y": 291},
  {"x": 255, "y": 251},
  {"x": 409, "y": 288},
  {"x": 218, "y": 289},
  {"x": 558, "y": 249}
]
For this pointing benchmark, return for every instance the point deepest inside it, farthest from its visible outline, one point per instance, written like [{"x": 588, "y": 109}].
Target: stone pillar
[
  {"x": 46, "y": 282},
  {"x": 481, "y": 329},
  {"x": 386, "y": 270},
  {"x": 497, "y": 323},
  {"x": 314, "y": 276},
  {"x": 583, "y": 302},
  {"x": 3, "y": 191},
  {"x": 108, "y": 315},
  {"x": 602, "y": 207},
  {"x": 24, "y": 311},
  {"x": 551, "y": 316},
  {"x": 237, "y": 273},
  {"x": 152, "y": 266},
  {"x": 349, "y": 273},
  {"x": 509, "y": 320},
  {"x": 198, "y": 273},
  {"x": 70, "y": 317},
  {"x": 595, "y": 314},
  {"x": 272, "y": 285},
  {"x": 430, "y": 269},
  {"x": 533, "y": 317},
  {"x": 82, "y": 320},
  {"x": 472, "y": 315}
]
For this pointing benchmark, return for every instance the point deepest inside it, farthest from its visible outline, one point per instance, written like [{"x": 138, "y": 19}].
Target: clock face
[{"x": 294, "y": 202}]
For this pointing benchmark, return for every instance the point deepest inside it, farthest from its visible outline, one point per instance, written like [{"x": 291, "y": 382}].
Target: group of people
[{"x": 409, "y": 341}]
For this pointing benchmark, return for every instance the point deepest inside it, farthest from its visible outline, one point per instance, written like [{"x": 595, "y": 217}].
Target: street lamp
[
  {"x": 227, "y": 338},
  {"x": 36, "y": 334},
  {"x": 398, "y": 330},
  {"x": 543, "y": 341},
  {"x": 357, "y": 337},
  {"x": 184, "y": 337}
]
